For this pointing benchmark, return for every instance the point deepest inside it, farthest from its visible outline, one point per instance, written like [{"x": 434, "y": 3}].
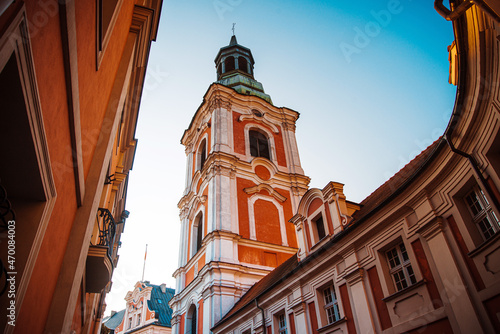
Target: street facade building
[
  {"x": 421, "y": 254},
  {"x": 71, "y": 77},
  {"x": 147, "y": 310},
  {"x": 243, "y": 184}
]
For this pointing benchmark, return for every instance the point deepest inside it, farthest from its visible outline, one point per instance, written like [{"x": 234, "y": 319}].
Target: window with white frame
[
  {"x": 202, "y": 155},
  {"x": 319, "y": 225},
  {"x": 138, "y": 319},
  {"x": 259, "y": 145},
  {"x": 197, "y": 234},
  {"x": 330, "y": 304},
  {"x": 482, "y": 213},
  {"x": 400, "y": 267},
  {"x": 281, "y": 321}
]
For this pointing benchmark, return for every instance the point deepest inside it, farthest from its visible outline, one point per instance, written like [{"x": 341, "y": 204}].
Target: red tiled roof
[
  {"x": 394, "y": 184},
  {"x": 382, "y": 194}
]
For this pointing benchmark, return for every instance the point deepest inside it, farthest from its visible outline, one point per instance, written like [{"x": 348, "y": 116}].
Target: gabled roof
[
  {"x": 159, "y": 303},
  {"x": 376, "y": 200},
  {"x": 114, "y": 320}
]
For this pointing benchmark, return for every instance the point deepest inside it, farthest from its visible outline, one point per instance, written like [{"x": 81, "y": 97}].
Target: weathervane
[{"x": 233, "y": 28}]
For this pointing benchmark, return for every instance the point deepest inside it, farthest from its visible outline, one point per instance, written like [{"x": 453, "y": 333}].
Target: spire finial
[{"x": 233, "y": 28}]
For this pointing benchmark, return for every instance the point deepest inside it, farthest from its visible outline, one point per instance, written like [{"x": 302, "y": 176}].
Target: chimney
[{"x": 163, "y": 288}]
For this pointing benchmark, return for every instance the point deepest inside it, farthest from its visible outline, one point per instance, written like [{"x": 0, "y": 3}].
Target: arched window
[
  {"x": 197, "y": 235},
  {"x": 242, "y": 64},
  {"x": 202, "y": 154},
  {"x": 191, "y": 322},
  {"x": 229, "y": 64},
  {"x": 259, "y": 145},
  {"x": 320, "y": 227}
]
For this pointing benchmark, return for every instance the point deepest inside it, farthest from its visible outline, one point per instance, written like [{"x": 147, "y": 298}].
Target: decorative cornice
[
  {"x": 332, "y": 189},
  {"x": 219, "y": 101},
  {"x": 432, "y": 229},
  {"x": 297, "y": 219},
  {"x": 268, "y": 188},
  {"x": 354, "y": 276},
  {"x": 258, "y": 119}
]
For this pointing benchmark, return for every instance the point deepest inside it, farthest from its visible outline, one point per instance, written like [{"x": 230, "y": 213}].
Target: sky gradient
[{"x": 369, "y": 79}]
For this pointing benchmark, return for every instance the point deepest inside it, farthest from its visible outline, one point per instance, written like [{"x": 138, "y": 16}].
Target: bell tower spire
[
  {"x": 244, "y": 181},
  {"x": 235, "y": 64}
]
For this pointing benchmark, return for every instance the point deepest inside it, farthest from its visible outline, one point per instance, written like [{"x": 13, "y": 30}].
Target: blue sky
[{"x": 369, "y": 78}]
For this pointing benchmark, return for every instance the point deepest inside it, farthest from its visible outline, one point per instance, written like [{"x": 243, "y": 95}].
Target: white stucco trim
[
  {"x": 270, "y": 138},
  {"x": 251, "y": 216}
]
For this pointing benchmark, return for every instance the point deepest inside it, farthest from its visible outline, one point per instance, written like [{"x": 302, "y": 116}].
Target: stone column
[
  {"x": 360, "y": 308},
  {"x": 300, "y": 317}
]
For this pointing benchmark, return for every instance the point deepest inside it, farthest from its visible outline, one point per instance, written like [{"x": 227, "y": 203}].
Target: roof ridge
[{"x": 400, "y": 171}]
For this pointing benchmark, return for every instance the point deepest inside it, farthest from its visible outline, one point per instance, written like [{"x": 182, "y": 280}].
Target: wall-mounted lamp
[{"x": 124, "y": 216}]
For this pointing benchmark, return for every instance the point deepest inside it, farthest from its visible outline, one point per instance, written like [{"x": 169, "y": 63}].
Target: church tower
[{"x": 243, "y": 184}]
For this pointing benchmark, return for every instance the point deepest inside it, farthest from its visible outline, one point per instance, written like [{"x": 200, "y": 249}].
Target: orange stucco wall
[
  {"x": 120, "y": 326},
  {"x": 149, "y": 313},
  {"x": 328, "y": 218},
  {"x": 190, "y": 272},
  {"x": 46, "y": 40},
  {"x": 181, "y": 325},
  {"x": 95, "y": 87},
  {"x": 267, "y": 222},
  {"x": 189, "y": 276},
  {"x": 262, "y": 172},
  {"x": 316, "y": 203},
  {"x": 201, "y": 262},
  {"x": 239, "y": 138},
  {"x": 264, "y": 213},
  {"x": 260, "y": 256}
]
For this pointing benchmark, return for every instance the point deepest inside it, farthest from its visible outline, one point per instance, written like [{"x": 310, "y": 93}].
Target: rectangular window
[
  {"x": 129, "y": 323},
  {"x": 400, "y": 267},
  {"x": 482, "y": 214},
  {"x": 259, "y": 146},
  {"x": 320, "y": 227},
  {"x": 282, "y": 324},
  {"x": 138, "y": 320},
  {"x": 331, "y": 305}
]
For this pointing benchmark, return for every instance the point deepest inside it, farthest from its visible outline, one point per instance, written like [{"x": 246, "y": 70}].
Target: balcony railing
[{"x": 107, "y": 230}]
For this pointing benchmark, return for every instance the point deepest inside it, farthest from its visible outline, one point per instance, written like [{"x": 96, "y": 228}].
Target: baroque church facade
[{"x": 262, "y": 253}]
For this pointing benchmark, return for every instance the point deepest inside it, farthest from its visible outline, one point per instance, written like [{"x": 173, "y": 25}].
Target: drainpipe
[
  {"x": 477, "y": 171},
  {"x": 461, "y": 26},
  {"x": 263, "y": 316},
  {"x": 452, "y": 15}
]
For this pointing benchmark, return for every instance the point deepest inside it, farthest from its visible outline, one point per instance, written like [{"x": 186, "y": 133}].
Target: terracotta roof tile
[{"x": 403, "y": 176}]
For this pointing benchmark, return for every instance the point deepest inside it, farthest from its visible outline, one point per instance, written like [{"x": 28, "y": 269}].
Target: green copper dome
[{"x": 234, "y": 64}]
